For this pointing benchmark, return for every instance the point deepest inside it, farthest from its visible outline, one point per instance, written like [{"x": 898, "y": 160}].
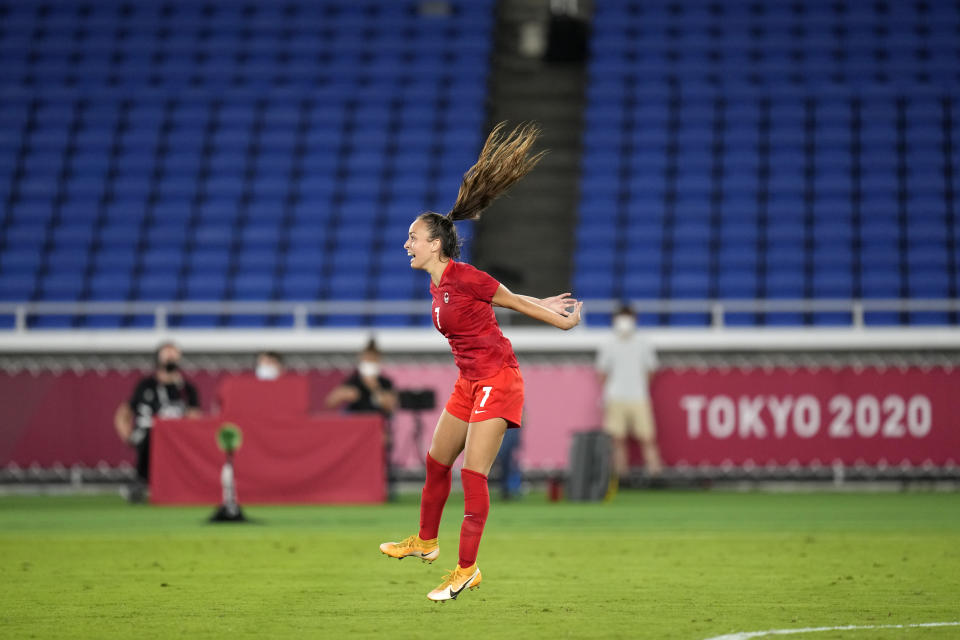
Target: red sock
[
  {"x": 433, "y": 497},
  {"x": 476, "y": 506}
]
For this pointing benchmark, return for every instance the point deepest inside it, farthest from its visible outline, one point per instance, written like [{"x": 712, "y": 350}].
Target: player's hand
[
  {"x": 572, "y": 319},
  {"x": 561, "y": 303}
]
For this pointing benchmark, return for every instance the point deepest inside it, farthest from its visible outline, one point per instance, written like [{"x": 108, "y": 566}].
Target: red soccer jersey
[{"x": 463, "y": 314}]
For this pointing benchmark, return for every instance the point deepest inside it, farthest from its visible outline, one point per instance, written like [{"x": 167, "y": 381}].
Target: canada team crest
[{"x": 446, "y": 297}]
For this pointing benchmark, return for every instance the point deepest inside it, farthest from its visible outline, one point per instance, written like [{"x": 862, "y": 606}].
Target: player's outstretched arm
[
  {"x": 561, "y": 303},
  {"x": 555, "y": 314}
]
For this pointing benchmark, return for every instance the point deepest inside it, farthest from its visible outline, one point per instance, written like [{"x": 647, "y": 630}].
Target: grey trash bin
[{"x": 589, "y": 466}]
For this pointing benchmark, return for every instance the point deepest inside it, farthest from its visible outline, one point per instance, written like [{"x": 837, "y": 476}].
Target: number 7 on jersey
[
  {"x": 486, "y": 394},
  {"x": 437, "y": 311}
]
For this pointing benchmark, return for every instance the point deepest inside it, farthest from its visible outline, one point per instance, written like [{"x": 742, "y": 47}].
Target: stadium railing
[{"x": 300, "y": 312}]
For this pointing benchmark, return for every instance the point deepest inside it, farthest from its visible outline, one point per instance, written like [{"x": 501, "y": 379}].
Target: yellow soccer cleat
[
  {"x": 426, "y": 550},
  {"x": 455, "y": 582}
]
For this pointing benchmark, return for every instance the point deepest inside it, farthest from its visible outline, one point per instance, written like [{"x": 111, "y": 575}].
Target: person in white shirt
[{"x": 624, "y": 364}]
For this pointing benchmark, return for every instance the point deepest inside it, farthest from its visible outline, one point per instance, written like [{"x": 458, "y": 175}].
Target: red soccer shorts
[{"x": 500, "y": 396}]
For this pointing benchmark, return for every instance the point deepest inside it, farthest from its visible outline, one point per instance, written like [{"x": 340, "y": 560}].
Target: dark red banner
[
  {"x": 709, "y": 417},
  {"x": 282, "y": 460},
  {"x": 808, "y": 416},
  {"x": 49, "y": 418}
]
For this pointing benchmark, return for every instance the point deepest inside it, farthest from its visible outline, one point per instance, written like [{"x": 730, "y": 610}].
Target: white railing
[
  {"x": 161, "y": 311},
  {"x": 301, "y": 311}
]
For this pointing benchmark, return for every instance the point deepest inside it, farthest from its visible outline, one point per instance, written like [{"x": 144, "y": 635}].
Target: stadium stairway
[{"x": 526, "y": 239}]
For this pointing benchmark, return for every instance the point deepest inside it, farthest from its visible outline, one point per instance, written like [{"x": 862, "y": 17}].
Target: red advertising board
[
  {"x": 282, "y": 460},
  {"x": 781, "y": 416},
  {"x": 710, "y": 417}
]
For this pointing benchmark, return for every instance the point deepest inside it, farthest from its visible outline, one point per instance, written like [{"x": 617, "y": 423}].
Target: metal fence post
[
  {"x": 858, "y": 315},
  {"x": 716, "y": 315},
  {"x": 300, "y": 317},
  {"x": 160, "y": 318},
  {"x": 21, "y": 319}
]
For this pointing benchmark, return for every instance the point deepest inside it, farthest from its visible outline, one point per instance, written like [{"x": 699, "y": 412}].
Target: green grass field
[{"x": 649, "y": 565}]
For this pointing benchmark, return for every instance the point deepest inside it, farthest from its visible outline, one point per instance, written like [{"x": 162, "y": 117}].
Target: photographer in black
[
  {"x": 163, "y": 394},
  {"x": 366, "y": 390}
]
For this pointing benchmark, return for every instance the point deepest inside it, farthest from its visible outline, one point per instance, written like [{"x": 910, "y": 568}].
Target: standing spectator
[
  {"x": 163, "y": 394},
  {"x": 625, "y": 363},
  {"x": 366, "y": 390}
]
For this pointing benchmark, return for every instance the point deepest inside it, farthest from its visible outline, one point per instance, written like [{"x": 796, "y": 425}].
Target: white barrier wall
[{"x": 534, "y": 340}]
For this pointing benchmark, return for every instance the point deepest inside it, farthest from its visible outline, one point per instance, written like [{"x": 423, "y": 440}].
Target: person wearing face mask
[
  {"x": 367, "y": 390},
  {"x": 166, "y": 393},
  {"x": 269, "y": 365},
  {"x": 624, "y": 364}
]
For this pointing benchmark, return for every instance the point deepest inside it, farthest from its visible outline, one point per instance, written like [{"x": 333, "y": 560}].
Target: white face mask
[
  {"x": 368, "y": 369},
  {"x": 624, "y": 325},
  {"x": 267, "y": 372}
]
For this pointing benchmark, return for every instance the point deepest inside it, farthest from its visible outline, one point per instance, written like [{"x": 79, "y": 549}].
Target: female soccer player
[{"x": 488, "y": 395}]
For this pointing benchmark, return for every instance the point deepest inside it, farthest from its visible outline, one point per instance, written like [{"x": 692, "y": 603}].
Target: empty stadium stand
[
  {"x": 163, "y": 151},
  {"x": 772, "y": 150},
  {"x": 216, "y": 150}
]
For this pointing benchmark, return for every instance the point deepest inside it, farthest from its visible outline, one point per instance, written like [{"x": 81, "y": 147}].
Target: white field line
[{"x": 746, "y": 635}]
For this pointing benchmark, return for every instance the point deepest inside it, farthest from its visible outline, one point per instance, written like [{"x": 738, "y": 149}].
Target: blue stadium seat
[
  {"x": 32, "y": 212},
  {"x": 879, "y": 282},
  {"x": 929, "y": 283},
  {"x": 24, "y": 236},
  {"x": 396, "y": 286},
  {"x": 17, "y": 287},
  {"x": 157, "y": 287},
  {"x": 257, "y": 259},
  {"x": 209, "y": 260},
  {"x": 111, "y": 286},
  {"x": 63, "y": 286},
  {"x": 20, "y": 261},
  {"x": 253, "y": 286},
  {"x": 213, "y": 236},
  {"x": 347, "y": 287},
  {"x": 249, "y": 321},
  {"x": 205, "y": 286},
  {"x": 52, "y": 322},
  {"x": 737, "y": 284},
  {"x": 68, "y": 260},
  {"x": 301, "y": 286},
  {"x": 593, "y": 284},
  {"x": 116, "y": 258},
  {"x": 304, "y": 259},
  {"x": 167, "y": 236},
  {"x": 168, "y": 259},
  {"x": 690, "y": 284},
  {"x": 785, "y": 284},
  {"x": 641, "y": 285},
  {"x": 832, "y": 283},
  {"x": 195, "y": 321}
]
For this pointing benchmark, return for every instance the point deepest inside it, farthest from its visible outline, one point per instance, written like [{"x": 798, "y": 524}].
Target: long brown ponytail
[{"x": 503, "y": 160}]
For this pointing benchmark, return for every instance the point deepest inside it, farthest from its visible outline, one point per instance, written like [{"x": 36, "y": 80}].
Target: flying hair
[{"x": 503, "y": 160}]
